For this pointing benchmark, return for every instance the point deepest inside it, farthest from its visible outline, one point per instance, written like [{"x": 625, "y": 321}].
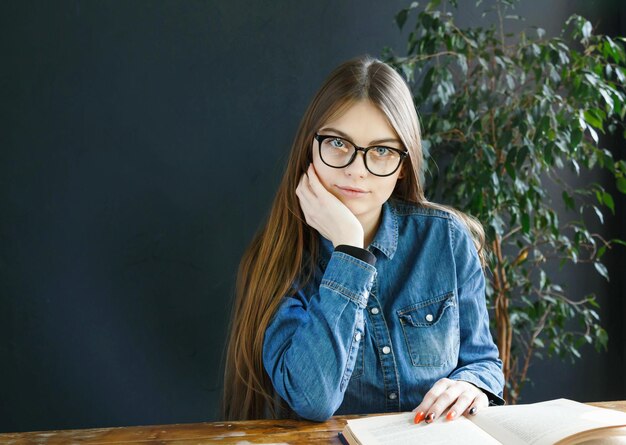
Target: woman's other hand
[
  {"x": 451, "y": 398},
  {"x": 326, "y": 213}
]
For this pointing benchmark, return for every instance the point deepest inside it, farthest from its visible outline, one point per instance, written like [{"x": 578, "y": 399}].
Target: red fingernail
[
  {"x": 419, "y": 417},
  {"x": 451, "y": 415},
  {"x": 430, "y": 417}
]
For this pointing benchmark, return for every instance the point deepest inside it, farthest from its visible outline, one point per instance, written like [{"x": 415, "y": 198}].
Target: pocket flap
[{"x": 426, "y": 313}]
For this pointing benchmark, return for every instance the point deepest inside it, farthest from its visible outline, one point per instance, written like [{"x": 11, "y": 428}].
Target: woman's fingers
[
  {"x": 311, "y": 188},
  {"x": 304, "y": 187},
  {"x": 468, "y": 402},
  {"x": 445, "y": 399},
  {"x": 451, "y": 398},
  {"x": 315, "y": 184},
  {"x": 324, "y": 212},
  {"x": 433, "y": 394},
  {"x": 304, "y": 197},
  {"x": 481, "y": 401}
]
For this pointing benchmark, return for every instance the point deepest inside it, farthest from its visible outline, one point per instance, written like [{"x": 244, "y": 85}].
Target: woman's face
[{"x": 361, "y": 191}]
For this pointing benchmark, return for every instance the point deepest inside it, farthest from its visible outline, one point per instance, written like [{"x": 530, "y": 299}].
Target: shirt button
[
  {"x": 393, "y": 396},
  {"x": 375, "y": 311},
  {"x": 386, "y": 350},
  {"x": 429, "y": 318},
  {"x": 357, "y": 337}
]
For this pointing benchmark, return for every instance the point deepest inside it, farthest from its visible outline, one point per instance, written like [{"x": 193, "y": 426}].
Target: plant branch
[
  {"x": 501, "y": 22},
  {"x": 430, "y": 56},
  {"x": 539, "y": 327}
]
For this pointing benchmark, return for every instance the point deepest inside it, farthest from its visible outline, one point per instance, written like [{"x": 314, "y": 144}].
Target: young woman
[{"x": 358, "y": 295}]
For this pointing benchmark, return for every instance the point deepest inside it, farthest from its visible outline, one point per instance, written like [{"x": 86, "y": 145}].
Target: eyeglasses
[{"x": 339, "y": 152}]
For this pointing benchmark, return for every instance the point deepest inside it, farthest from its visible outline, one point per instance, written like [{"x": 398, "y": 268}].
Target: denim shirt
[{"x": 370, "y": 339}]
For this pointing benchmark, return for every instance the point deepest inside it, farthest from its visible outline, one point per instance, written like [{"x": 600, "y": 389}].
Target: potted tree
[{"x": 506, "y": 117}]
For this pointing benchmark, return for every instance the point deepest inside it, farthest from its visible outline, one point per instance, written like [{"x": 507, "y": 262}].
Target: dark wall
[{"x": 140, "y": 146}]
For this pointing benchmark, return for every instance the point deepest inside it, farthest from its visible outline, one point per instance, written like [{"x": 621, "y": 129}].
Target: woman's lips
[{"x": 352, "y": 192}]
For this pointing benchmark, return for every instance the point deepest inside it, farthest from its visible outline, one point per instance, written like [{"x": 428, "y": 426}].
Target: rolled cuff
[{"x": 349, "y": 277}]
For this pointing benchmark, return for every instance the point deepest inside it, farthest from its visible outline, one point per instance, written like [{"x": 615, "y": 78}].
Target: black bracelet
[{"x": 357, "y": 252}]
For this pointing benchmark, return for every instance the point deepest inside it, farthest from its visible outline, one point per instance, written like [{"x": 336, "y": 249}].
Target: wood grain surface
[{"x": 239, "y": 433}]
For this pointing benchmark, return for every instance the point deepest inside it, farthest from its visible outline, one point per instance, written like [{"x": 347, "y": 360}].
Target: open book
[{"x": 558, "y": 421}]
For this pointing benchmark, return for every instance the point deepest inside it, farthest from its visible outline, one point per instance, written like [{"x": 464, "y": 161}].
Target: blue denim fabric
[{"x": 366, "y": 339}]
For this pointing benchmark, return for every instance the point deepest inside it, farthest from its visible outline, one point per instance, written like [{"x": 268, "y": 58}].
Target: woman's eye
[
  {"x": 381, "y": 151},
  {"x": 337, "y": 143}
]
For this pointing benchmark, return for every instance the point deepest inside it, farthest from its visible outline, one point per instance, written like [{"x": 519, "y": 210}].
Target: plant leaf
[
  {"x": 599, "y": 213},
  {"x": 608, "y": 201},
  {"x": 602, "y": 270},
  {"x": 586, "y": 29},
  {"x": 525, "y": 222}
]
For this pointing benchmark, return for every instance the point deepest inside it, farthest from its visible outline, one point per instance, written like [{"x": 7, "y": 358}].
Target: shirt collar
[{"x": 386, "y": 239}]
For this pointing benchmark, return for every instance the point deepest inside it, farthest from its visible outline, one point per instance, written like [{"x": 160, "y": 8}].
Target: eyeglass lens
[{"x": 338, "y": 152}]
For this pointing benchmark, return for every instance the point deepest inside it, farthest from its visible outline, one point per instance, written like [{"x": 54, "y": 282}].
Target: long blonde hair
[{"x": 276, "y": 257}]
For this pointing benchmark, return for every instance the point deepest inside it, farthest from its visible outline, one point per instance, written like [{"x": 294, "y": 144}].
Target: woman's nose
[{"x": 357, "y": 167}]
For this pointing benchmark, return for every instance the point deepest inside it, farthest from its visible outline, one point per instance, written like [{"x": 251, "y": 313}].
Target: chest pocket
[{"x": 431, "y": 331}]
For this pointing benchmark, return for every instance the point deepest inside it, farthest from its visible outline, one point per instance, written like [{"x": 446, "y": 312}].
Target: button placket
[{"x": 382, "y": 339}]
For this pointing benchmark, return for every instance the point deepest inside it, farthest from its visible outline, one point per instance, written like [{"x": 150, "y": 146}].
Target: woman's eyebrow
[{"x": 375, "y": 142}]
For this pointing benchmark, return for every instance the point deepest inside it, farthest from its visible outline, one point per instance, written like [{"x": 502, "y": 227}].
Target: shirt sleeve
[
  {"x": 479, "y": 361},
  {"x": 357, "y": 252},
  {"x": 311, "y": 344}
]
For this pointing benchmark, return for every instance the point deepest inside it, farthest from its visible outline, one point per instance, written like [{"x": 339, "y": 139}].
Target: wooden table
[{"x": 243, "y": 432}]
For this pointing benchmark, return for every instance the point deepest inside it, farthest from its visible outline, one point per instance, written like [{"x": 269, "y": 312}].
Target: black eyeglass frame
[{"x": 321, "y": 137}]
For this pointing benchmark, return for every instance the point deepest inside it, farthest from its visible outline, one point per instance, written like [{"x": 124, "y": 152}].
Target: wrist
[
  {"x": 354, "y": 241},
  {"x": 350, "y": 235}
]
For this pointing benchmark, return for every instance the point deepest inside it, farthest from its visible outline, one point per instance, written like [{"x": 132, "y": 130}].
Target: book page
[
  {"x": 399, "y": 429},
  {"x": 545, "y": 422}
]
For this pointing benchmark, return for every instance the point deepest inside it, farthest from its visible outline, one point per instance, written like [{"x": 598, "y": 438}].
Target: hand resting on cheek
[{"x": 326, "y": 213}]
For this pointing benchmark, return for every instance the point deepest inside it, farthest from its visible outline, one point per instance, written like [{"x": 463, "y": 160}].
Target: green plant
[{"x": 506, "y": 117}]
